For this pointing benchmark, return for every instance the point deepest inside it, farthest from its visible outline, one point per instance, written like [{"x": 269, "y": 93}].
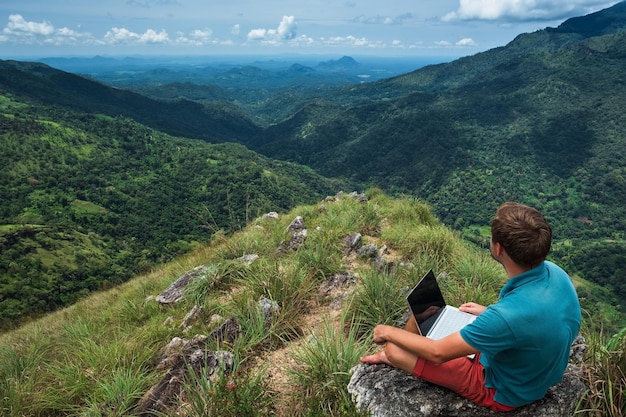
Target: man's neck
[{"x": 512, "y": 269}]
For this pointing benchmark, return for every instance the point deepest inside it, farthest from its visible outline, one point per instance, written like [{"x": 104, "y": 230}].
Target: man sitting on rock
[{"x": 521, "y": 343}]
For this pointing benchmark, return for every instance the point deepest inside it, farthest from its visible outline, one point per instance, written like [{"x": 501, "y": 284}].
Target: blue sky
[{"x": 32, "y": 28}]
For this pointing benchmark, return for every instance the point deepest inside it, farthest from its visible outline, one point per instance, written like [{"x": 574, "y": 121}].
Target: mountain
[
  {"x": 42, "y": 84},
  {"x": 87, "y": 201},
  {"x": 345, "y": 63},
  {"x": 273, "y": 333},
  {"x": 540, "y": 120}
]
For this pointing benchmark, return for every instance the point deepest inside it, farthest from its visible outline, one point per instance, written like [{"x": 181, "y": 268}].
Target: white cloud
[
  {"x": 21, "y": 31},
  {"x": 18, "y": 25},
  {"x": 125, "y": 36},
  {"x": 151, "y": 36},
  {"x": 257, "y": 34},
  {"x": 201, "y": 35},
  {"x": 236, "y": 30},
  {"x": 120, "y": 35},
  {"x": 466, "y": 42},
  {"x": 523, "y": 10},
  {"x": 287, "y": 30}
]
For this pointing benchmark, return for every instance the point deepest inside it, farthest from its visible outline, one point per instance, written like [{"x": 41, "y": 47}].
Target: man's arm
[{"x": 437, "y": 351}]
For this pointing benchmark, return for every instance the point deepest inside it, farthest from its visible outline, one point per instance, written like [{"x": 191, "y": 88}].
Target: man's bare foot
[{"x": 378, "y": 357}]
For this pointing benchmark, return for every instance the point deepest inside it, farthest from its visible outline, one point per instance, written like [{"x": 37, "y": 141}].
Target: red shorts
[{"x": 462, "y": 375}]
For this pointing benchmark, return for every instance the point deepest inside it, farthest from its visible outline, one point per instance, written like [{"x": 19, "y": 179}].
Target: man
[{"x": 521, "y": 343}]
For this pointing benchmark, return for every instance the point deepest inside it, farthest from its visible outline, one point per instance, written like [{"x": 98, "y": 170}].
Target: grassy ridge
[{"x": 99, "y": 356}]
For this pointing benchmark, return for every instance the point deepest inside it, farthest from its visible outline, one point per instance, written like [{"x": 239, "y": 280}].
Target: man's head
[{"x": 523, "y": 232}]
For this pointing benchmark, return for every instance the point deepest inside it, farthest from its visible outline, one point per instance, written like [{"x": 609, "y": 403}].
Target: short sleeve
[{"x": 489, "y": 333}]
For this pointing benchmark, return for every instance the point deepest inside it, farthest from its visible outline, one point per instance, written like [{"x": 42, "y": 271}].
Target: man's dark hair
[{"x": 523, "y": 232}]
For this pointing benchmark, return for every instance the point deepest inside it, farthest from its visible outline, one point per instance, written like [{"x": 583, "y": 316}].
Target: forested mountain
[
  {"x": 539, "y": 120},
  {"x": 42, "y": 84},
  {"x": 87, "y": 201}
]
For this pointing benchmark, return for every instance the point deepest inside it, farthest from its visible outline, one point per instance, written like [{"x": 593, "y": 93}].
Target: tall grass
[
  {"x": 605, "y": 374},
  {"x": 242, "y": 393},
  {"x": 98, "y": 356},
  {"x": 380, "y": 299},
  {"x": 321, "y": 380}
]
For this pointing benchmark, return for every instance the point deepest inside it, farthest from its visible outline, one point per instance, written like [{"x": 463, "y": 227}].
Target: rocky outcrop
[
  {"x": 182, "y": 357},
  {"x": 174, "y": 292},
  {"x": 383, "y": 391}
]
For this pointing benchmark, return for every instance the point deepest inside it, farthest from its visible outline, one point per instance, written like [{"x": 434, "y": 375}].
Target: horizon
[{"x": 442, "y": 28}]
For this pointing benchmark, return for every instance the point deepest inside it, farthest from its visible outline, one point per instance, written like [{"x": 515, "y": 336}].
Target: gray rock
[
  {"x": 228, "y": 332},
  {"x": 191, "y": 317},
  {"x": 297, "y": 224},
  {"x": 384, "y": 391},
  {"x": 270, "y": 309},
  {"x": 367, "y": 251},
  {"x": 353, "y": 242},
  {"x": 248, "y": 259},
  {"x": 270, "y": 215},
  {"x": 168, "y": 390},
  {"x": 174, "y": 292}
]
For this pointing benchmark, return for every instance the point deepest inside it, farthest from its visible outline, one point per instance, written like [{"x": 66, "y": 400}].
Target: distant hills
[
  {"x": 89, "y": 200},
  {"x": 539, "y": 120},
  {"x": 42, "y": 84}
]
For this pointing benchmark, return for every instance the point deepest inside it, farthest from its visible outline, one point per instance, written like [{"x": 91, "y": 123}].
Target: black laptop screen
[{"x": 426, "y": 302}]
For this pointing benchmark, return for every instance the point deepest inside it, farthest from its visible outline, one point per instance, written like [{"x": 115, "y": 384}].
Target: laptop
[{"x": 435, "y": 319}]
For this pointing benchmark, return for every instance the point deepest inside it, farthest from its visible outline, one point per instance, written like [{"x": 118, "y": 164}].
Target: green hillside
[
  {"x": 90, "y": 200},
  {"x": 39, "y": 83},
  {"x": 540, "y": 120},
  {"x": 101, "y": 356}
]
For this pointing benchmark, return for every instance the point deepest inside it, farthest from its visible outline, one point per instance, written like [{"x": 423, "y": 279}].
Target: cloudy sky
[{"x": 31, "y": 28}]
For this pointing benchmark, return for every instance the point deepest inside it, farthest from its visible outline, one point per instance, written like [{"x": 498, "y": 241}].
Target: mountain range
[{"x": 539, "y": 120}]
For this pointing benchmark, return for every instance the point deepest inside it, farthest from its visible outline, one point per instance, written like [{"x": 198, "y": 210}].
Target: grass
[
  {"x": 97, "y": 357},
  {"x": 321, "y": 380}
]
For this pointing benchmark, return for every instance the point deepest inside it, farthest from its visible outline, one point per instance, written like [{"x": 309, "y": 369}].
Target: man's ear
[{"x": 497, "y": 248}]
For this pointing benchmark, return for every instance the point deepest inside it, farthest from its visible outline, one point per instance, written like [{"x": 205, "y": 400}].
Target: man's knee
[{"x": 400, "y": 358}]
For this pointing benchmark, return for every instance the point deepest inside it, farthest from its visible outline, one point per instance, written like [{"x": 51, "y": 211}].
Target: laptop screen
[{"x": 426, "y": 302}]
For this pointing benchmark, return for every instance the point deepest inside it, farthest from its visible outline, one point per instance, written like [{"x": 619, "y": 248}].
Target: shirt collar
[{"x": 522, "y": 279}]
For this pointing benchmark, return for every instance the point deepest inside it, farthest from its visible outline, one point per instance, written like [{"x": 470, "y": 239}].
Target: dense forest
[
  {"x": 90, "y": 200},
  {"x": 94, "y": 188}
]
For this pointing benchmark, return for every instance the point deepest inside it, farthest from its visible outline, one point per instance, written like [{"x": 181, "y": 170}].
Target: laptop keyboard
[{"x": 452, "y": 320}]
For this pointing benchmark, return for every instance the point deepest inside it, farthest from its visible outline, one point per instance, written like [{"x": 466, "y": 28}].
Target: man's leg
[{"x": 395, "y": 356}]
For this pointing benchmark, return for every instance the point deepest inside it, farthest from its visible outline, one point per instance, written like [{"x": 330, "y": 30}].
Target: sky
[{"x": 45, "y": 28}]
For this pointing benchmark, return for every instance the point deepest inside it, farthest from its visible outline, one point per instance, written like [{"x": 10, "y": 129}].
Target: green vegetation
[
  {"x": 100, "y": 355},
  {"x": 88, "y": 201},
  {"x": 91, "y": 198},
  {"x": 524, "y": 122}
]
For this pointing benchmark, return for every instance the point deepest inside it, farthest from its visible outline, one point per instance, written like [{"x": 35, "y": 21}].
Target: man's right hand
[{"x": 472, "y": 308}]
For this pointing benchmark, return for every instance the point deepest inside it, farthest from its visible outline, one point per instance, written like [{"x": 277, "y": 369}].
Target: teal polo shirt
[{"x": 525, "y": 337}]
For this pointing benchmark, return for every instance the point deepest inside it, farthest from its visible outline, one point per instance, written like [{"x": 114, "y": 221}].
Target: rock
[
  {"x": 337, "y": 288},
  {"x": 384, "y": 391},
  {"x": 353, "y": 242},
  {"x": 191, "y": 317},
  {"x": 174, "y": 292},
  {"x": 228, "y": 332},
  {"x": 248, "y": 259},
  {"x": 296, "y": 225},
  {"x": 297, "y": 238},
  {"x": 358, "y": 196},
  {"x": 168, "y": 390},
  {"x": 270, "y": 215},
  {"x": 367, "y": 251},
  {"x": 270, "y": 309}
]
